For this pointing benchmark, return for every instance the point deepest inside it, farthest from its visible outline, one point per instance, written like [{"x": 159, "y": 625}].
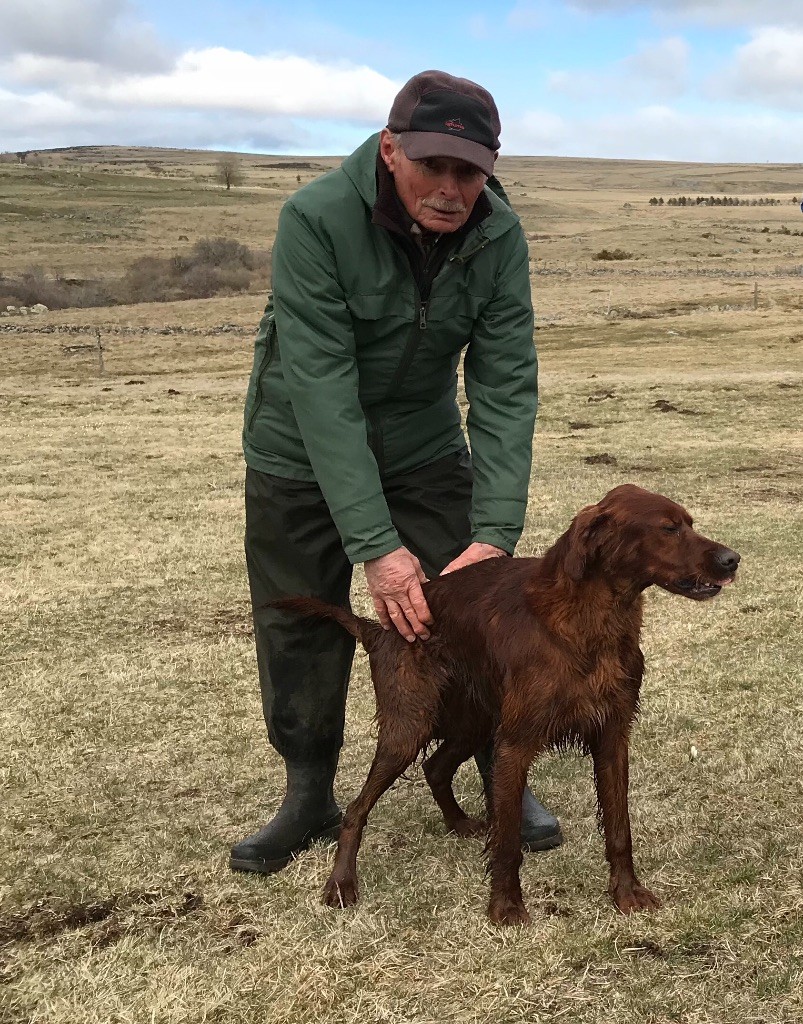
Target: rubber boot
[
  {"x": 308, "y": 813},
  {"x": 540, "y": 830}
]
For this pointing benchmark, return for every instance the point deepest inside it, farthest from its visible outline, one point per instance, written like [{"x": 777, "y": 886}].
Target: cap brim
[{"x": 422, "y": 145}]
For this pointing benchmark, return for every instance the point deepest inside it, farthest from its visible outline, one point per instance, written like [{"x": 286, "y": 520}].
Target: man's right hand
[{"x": 394, "y": 581}]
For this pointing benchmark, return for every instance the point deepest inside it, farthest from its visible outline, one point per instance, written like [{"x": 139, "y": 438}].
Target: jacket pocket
[
  {"x": 378, "y": 316},
  {"x": 264, "y": 351}
]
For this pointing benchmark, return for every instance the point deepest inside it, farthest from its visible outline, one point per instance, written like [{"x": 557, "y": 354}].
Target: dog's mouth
[{"x": 697, "y": 589}]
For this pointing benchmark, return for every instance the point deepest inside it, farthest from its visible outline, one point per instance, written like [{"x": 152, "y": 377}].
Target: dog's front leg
[
  {"x": 510, "y": 766},
  {"x": 610, "y": 755}
]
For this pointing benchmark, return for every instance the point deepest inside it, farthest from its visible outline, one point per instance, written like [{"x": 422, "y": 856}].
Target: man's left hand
[{"x": 474, "y": 553}]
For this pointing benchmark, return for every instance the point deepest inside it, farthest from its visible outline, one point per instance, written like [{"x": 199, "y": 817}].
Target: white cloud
[
  {"x": 219, "y": 79},
  {"x": 657, "y": 133},
  {"x": 662, "y": 65},
  {"x": 81, "y": 71},
  {"x": 104, "y": 32},
  {"x": 658, "y": 70},
  {"x": 711, "y": 12},
  {"x": 209, "y": 98},
  {"x": 766, "y": 70},
  {"x": 526, "y": 15}
]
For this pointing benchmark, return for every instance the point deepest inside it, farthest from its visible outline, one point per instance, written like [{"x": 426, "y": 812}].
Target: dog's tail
[{"x": 367, "y": 631}]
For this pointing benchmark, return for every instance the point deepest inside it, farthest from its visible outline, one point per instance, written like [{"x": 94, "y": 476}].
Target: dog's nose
[{"x": 727, "y": 559}]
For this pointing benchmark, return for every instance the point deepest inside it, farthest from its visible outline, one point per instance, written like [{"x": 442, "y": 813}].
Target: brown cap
[{"x": 436, "y": 114}]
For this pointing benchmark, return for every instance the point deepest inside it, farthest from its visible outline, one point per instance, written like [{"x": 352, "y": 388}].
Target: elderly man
[{"x": 384, "y": 272}]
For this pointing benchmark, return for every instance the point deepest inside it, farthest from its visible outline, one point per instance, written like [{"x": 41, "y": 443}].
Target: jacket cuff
[
  {"x": 504, "y": 539},
  {"x": 362, "y": 553}
]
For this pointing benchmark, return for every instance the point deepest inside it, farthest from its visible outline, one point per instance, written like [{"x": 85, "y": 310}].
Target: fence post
[{"x": 101, "y": 367}]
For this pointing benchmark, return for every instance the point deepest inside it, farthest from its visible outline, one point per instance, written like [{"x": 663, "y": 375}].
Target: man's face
[{"x": 438, "y": 193}]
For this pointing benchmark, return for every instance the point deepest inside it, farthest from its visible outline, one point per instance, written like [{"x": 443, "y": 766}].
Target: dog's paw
[
  {"x": 340, "y": 892},
  {"x": 505, "y": 911},
  {"x": 630, "y": 898},
  {"x": 469, "y": 828}
]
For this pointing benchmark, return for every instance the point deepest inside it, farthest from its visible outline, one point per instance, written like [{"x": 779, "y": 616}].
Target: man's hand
[
  {"x": 474, "y": 553},
  {"x": 394, "y": 581}
]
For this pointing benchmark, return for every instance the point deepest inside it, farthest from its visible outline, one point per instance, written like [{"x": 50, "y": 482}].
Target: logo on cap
[{"x": 455, "y": 125}]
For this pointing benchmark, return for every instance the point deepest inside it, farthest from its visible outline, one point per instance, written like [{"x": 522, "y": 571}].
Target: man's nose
[{"x": 448, "y": 184}]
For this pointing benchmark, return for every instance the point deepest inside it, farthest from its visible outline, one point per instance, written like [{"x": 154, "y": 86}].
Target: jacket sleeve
[
  {"x": 501, "y": 380},
  {"x": 318, "y": 354}
]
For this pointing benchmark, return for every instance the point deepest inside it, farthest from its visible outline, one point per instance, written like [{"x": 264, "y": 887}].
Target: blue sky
[{"x": 657, "y": 79}]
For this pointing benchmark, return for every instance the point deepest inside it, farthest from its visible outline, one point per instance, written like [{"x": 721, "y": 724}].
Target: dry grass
[{"x": 133, "y": 753}]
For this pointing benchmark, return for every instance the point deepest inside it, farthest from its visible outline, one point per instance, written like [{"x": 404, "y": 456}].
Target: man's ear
[{"x": 387, "y": 148}]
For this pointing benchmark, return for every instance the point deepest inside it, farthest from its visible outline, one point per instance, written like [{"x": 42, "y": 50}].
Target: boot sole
[
  {"x": 270, "y": 867},
  {"x": 548, "y": 842}
]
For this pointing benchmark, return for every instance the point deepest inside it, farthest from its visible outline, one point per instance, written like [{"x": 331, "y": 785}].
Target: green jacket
[{"x": 355, "y": 378}]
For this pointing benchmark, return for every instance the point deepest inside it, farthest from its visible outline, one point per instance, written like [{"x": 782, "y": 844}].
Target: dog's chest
[{"x": 606, "y": 686}]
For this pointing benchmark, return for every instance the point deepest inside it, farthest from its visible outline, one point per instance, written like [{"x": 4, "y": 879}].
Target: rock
[
  {"x": 24, "y": 311},
  {"x": 39, "y": 307},
  {"x": 11, "y": 309}
]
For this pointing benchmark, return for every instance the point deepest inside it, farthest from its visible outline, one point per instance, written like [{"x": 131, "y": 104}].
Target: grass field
[{"x": 132, "y": 749}]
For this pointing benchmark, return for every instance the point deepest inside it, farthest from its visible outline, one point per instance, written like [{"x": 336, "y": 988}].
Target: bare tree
[{"x": 228, "y": 171}]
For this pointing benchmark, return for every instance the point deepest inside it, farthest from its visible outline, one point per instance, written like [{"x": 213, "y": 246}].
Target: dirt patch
[
  {"x": 216, "y": 622},
  {"x": 764, "y": 494},
  {"x": 237, "y": 934},
  {"x": 663, "y": 406},
  {"x": 49, "y": 917},
  {"x": 233, "y": 622},
  {"x": 603, "y": 459}
]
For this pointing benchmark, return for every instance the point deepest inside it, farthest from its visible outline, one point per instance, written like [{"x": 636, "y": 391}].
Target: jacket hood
[{"x": 360, "y": 168}]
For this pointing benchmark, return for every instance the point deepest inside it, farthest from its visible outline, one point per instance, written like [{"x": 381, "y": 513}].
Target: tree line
[{"x": 717, "y": 201}]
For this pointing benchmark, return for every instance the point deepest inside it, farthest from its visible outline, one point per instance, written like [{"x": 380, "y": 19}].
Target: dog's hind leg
[
  {"x": 341, "y": 889},
  {"x": 439, "y": 770}
]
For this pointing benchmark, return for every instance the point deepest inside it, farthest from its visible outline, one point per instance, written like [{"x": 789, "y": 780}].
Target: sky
[{"x": 702, "y": 80}]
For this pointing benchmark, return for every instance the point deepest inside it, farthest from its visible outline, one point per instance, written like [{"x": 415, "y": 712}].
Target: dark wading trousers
[{"x": 292, "y": 547}]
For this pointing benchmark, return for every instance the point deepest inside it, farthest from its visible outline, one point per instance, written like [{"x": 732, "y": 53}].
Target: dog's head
[{"x": 635, "y": 536}]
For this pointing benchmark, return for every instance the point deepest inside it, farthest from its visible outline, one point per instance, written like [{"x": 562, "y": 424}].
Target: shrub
[
  {"x": 34, "y": 285},
  {"x": 211, "y": 267},
  {"x": 613, "y": 254},
  {"x": 218, "y": 251}
]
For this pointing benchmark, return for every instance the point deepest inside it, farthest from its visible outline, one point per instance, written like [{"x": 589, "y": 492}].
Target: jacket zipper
[
  {"x": 267, "y": 358},
  {"x": 412, "y": 345}
]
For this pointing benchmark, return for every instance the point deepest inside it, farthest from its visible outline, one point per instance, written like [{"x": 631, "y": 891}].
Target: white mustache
[{"x": 444, "y": 205}]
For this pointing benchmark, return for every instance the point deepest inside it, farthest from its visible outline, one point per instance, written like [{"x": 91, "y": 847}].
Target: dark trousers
[{"x": 292, "y": 547}]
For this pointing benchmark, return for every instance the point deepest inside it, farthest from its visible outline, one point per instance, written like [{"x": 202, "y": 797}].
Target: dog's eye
[{"x": 671, "y": 529}]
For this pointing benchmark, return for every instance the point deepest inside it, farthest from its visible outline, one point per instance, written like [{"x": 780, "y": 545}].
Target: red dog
[{"x": 538, "y": 653}]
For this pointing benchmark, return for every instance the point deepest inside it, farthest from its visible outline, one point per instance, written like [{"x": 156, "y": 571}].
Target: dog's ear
[{"x": 584, "y": 541}]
